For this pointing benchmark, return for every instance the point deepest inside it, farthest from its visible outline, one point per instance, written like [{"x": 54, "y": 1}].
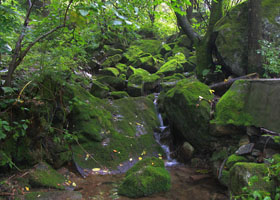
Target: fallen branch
[{"x": 221, "y": 87}]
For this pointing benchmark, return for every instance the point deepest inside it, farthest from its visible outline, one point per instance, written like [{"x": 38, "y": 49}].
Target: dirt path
[{"x": 184, "y": 187}]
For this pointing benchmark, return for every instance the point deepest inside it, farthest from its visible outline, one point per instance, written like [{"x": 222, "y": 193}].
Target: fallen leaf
[
  {"x": 121, "y": 165},
  {"x": 69, "y": 182},
  {"x": 74, "y": 184},
  {"x": 140, "y": 158},
  {"x": 160, "y": 158},
  {"x": 27, "y": 188},
  {"x": 200, "y": 98},
  {"x": 226, "y": 80},
  {"x": 138, "y": 124},
  {"x": 153, "y": 163},
  {"x": 130, "y": 159},
  {"x": 143, "y": 153},
  {"x": 211, "y": 91},
  {"x": 115, "y": 151}
]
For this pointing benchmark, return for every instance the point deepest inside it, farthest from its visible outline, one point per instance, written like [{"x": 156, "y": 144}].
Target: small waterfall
[{"x": 163, "y": 128}]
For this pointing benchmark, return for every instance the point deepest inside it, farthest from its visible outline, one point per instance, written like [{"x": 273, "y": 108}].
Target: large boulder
[
  {"x": 142, "y": 83},
  {"x": 145, "y": 178},
  {"x": 252, "y": 176},
  {"x": 232, "y": 39},
  {"x": 187, "y": 108},
  {"x": 128, "y": 133},
  {"x": 250, "y": 103}
]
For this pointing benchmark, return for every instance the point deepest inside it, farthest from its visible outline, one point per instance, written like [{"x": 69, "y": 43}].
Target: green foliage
[{"x": 270, "y": 52}]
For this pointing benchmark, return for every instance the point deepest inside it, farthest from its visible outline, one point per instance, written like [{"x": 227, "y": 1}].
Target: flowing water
[{"x": 169, "y": 161}]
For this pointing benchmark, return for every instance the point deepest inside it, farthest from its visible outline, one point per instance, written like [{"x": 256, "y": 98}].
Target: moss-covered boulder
[
  {"x": 116, "y": 83},
  {"x": 232, "y": 159},
  {"x": 110, "y": 71},
  {"x": 45, "y": 176},
  {"x": 149, "y": 63},
  {"x": 122, "y": 68},
  {"x": 232, "y": 31},
  {"x": 252, "y": 176},
  {"x": 145, "y": 178},
  {"x": 99, "y": 90},
  {"x": 142, "y": 83},
  {"x": 174, "y": 65},
  {"x": 250, "y": 103},
  {"x": 169, "y": 82},
  {"x": 110, "y": 51},
  {"x": 112, "y": 60},
  {"x": 118, "y": 94},
  {"x": 133, "y": 121},
  {"x": 187, "y": 108}
]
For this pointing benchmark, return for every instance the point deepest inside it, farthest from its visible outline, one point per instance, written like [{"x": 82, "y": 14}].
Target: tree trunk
[
  {"x": 254, "y": 35},
  {"x": 206, "y": 47}
]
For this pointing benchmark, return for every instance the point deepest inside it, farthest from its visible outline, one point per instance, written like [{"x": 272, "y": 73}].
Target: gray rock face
[
  {"x": 251, "y": 102},
  {"x": 232, "y": 31}
]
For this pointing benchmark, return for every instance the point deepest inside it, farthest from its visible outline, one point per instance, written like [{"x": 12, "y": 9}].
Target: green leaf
[
  {"x": 7, "y": 90},
  {"x": 84, "y": 12},
  {"x": 25, "y": 126},
  {"x": 2, "y": 135}
]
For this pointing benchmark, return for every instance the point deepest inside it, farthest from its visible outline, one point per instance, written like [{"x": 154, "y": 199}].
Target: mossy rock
[
  {"x": 131, "y": 70},
  {"x": 250, "y": 103},
  {"x": 232, "y": 159},
  {"x": 149, "y": 63},
  {"x": 118, "y": 94},
  {"x": 88, "y": 117},
  {"x": 153, "y": 161},
  {"x": 243, "y": 172},
  {"x": 170, "y": 82},
  {"x": 132, "y": 54},
  {"x": 110, "y": 51},
  {"x": 145, "y": 179},
  {"x": 149, "y": 46},
  {"x": 110, "y": 71},
  {"x": 134, "y": 121},
  {"x": 112, "y": 60},
  {"x": 122, "y": 68},
  {"x": 233, "y": 31},
  {"x": 117, "y": 83},
  {"x": 99, "y": 90},
  {"x": 139, "y": 84},
  {"x": 45, "y": 176},
  {"x": 187, "y": 108},
  {"x": 174, "y": 65}
]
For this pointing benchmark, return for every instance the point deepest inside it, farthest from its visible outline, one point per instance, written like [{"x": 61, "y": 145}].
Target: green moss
[
  {"x": 99, "y": 90},
  {"x": 232, "y": 159},
  {"x": 112, "y": 60},
  {"x": 231, "y": 107},
  {"x": 132, "y": 53},
  {"x": 45, "y": 176},
  {"x": 122, "y": 68},
  {"x": 110, "y": 71},
  {"x": 219, "y": 155},
  {"x": 33, "y": 195},
  {"x": 133, "y": 124},
  {"x": 242, "y": 172},
  {"x": 145, "y": 179},
  {"x": 118, "y": 94},
  {"x": 170, "y": 67},
  {"x": 153, "y": 161},
  {"x": 225, "y": 180},
  {"x": 110, "y": 51},
  {"x": 117, "y": 83},
  {"x": 187, "y": 113},
  {"x": 149, "y": 46}
]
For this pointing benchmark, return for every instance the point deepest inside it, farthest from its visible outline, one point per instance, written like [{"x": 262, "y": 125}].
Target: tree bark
[
  {"x": 206, "y": 47},
  {"x": 254, "y": 35}
]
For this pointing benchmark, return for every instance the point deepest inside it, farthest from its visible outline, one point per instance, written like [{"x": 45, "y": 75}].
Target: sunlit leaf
[
  {"x": 96, "y": 169},
  {"x": 117, "y": 22},
  {"x": 84, "y": 12}
]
